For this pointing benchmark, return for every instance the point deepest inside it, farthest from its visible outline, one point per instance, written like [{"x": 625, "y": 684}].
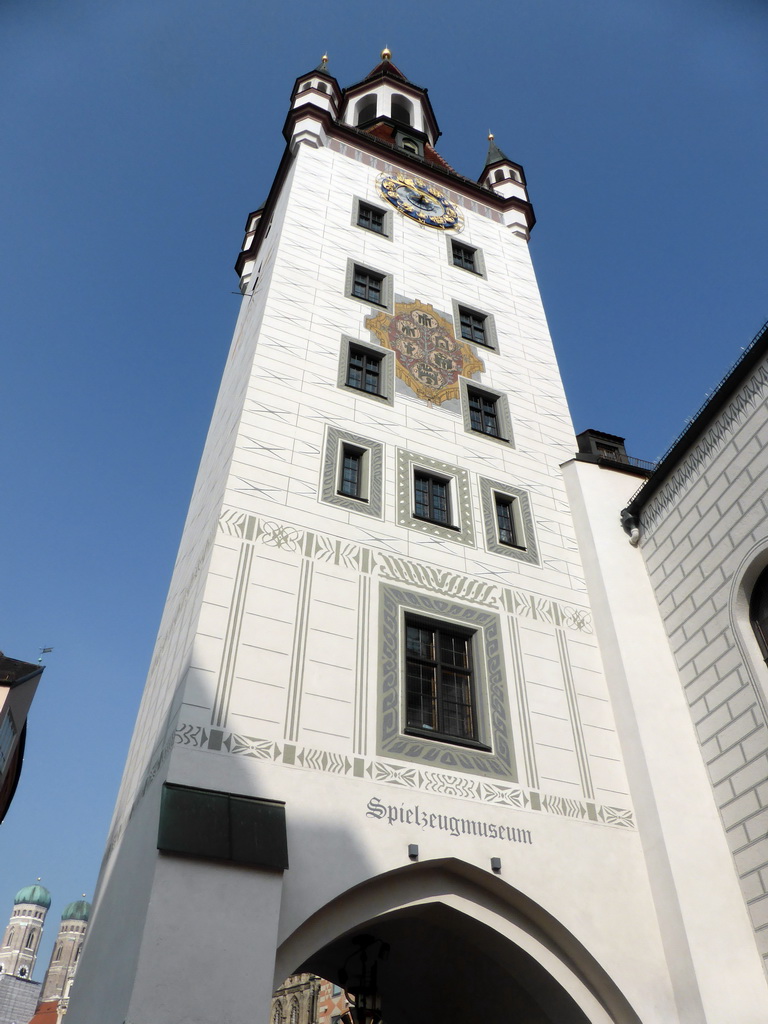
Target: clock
[{"x": 420, "y": 200}]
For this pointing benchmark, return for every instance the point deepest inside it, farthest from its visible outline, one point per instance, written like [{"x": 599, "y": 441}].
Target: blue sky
[{"x": 135, "y": 140}]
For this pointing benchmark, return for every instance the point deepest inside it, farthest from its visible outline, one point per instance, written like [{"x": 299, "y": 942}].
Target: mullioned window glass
[
  {"x": 370, "y": 218},
  {"x": 439, "y": 681},
  {"x": 464, "y": 257},
  {"x": 364, "y": 371},
  {"x": 367, "y": 286},
  {"x": 483, "y": 413},
  {"x": 431, "y": 499}
]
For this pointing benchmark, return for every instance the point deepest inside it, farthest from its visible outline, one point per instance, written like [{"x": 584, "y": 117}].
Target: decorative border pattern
[
  {"x": 446, "y": 583},
  {"x": 490, "y": 691},
  {"x": 528, "y": 554},
  {"x": 421, "y": 778},
  {"x": 461, "y": 498},
  {"x": 329, "y": 493}
]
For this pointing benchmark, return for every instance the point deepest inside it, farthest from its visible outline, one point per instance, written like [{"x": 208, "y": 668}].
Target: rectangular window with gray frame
[
  {"x": 368, "y": 285},
  {"x": 485, "y": 411},
  {"x": 372, "y": 218},
  {"x": 434, "y": 497},
  {"x": 474, "y": 325},
  {"x": 352, "y": 473},
  {"x": 443, "y": 696},
  {"x": 466, "y": 257},
  {"x": 508, "y": 521},
  {"x": 367, "y": 369}
]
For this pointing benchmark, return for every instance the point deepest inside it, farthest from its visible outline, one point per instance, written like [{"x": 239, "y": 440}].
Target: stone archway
[{"x": 462, "y": 946}]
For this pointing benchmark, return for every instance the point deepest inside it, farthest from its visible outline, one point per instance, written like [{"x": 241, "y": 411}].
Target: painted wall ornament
[{"x": 428, "y": 356}]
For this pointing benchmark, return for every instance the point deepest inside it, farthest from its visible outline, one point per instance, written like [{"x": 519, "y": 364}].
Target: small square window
[
  {"x": 472, "y": 326},
  {"x": 367, "y": 369},
  {"x": 367, "y": 285},
  {"x": 431, "y": 499},
  {"x": 483, "y": 412},
  {"x": 463, "y": 256},
  {"x": 370, "y": 218},
  {"x": 434, "y": 498},
  {"x": 364, "y": 370},
  {"x": 439, "y": 690}
]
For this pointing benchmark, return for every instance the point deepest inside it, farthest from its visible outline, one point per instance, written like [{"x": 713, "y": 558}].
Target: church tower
[
  {"x": 21, "y": 940},
  {"x": 66, "y": 951},
  {"x": 378, "y": 742}
]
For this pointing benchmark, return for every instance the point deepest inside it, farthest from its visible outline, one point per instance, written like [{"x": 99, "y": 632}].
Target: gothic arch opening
[{"x": 454, "y": 944}]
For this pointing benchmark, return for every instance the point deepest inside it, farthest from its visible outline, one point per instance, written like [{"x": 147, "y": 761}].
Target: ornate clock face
[{"x": 420, "y": 200}]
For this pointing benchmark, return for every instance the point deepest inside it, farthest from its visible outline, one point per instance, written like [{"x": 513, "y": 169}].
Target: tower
[
  {"x": 382, "y": 740},
  {"x": 66, "y": 951},
  {"x": 21, "y": 940}
]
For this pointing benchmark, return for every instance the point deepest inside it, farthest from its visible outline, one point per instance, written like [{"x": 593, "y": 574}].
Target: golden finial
[
  {"x": 490, "y": 136},
  {"x": 386, "y": 53},
  {"x": 324, "y": 59}
]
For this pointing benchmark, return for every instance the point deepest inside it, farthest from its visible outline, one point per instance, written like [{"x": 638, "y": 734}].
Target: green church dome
[
  {"x": 77, "y": 911},
  {"x": 36, "y": 894}
]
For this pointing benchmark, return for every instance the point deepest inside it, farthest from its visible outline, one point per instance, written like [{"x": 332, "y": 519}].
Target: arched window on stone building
[
  {"x": 277, "y": 1014},
  {"x": 758, "y": 612},
  {"x": 294, "y": 1019}
]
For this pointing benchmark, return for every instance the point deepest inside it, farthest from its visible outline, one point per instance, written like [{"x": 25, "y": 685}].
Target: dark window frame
[
  {"x": 371, "y": 218},
  {"x": 366, "y": 366},
  {"x": 432, "y": 492},
  {"x": 484, "y": 412},
  {"x": 368, "y": 285},
  {"x": 464, "y": 256},
  {"x": 352, "y": 472},
  {"x": 509, "y": 527},
  {"x": 440, "y": 688}
]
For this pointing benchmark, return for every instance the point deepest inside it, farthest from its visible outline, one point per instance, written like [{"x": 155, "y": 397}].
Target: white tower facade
[
  {"x": 378, "y": 740},
  {"x": 21, "y": 940}
]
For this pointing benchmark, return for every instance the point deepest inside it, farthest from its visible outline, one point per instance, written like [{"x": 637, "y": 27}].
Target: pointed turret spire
[
  {"x": 322, "y": 67},
  {"x": 494, "y": 153}
]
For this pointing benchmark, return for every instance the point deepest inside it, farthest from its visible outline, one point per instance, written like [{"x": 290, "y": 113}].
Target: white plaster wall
[{"x": 709, "y": 946}]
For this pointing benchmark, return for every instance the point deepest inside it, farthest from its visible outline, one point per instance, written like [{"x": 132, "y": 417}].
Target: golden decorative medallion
[{"x": 428, "y": 357}]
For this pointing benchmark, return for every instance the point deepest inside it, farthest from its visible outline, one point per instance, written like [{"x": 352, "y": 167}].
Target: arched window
[
  {"x": 77, "y": 954},
  {"x": 57, "y": 954},
  {"x": 277, "y": 1015},
  {"x": 758, "y": 612},
  {"x": 30, "y": 940},
  {"x": 401, "y": 110},
  {"x": 305, "y": 86},
  {"x": 410, "y": 146},
  {"x": 322, "y": 87},
  {"x": 294, "y": 1019},
  {"x": 499, "y": 176},
  {"x": 367, "y": 110},
  {"x": 10, "y": 938}
]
